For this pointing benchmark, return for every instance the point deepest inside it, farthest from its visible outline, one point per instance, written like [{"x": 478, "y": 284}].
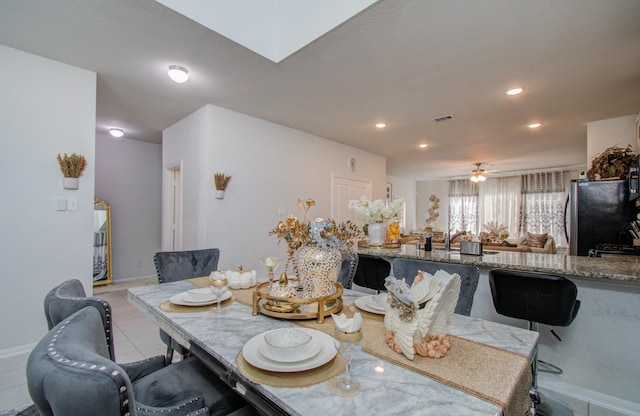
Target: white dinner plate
[
  {"x": 364, "y": 303},
  {"x": 252, "y": 353},
  {"x": 308, "y": 352},
  {"x": 185, "y": 299}
]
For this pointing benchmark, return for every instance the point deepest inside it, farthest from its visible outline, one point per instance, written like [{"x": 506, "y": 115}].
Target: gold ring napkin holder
[{"x": 296, "y": 307}]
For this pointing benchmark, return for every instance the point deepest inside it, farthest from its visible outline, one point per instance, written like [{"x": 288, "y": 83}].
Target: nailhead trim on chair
[
  {"x": 56, "y": 356},
  {"x": 168, "y": 409}
]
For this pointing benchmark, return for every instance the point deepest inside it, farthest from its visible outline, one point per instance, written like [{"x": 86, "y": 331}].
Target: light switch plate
[
  {"x": 72, "y": 204},
  {"x": 61, "y": 204}
]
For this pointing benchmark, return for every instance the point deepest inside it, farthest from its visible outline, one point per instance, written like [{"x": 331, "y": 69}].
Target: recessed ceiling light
[
  {"x": 116, "y": 132},
  {"x": 534, "y": 125},
  {"x": 515, "y": 91},
  {"x": 381, "y": 125},
  {"x": 423, "y": 145},
  {"x": 178, "y": 73}
]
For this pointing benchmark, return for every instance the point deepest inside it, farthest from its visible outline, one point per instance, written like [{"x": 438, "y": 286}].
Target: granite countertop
[{"x": 619, "y": 269}]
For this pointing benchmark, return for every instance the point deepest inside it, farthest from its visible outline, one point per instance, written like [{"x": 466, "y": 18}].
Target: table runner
[{"x": 499, "y": 376}]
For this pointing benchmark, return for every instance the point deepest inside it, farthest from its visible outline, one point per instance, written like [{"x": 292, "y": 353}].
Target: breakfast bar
[{"x": 598, "y": 351}]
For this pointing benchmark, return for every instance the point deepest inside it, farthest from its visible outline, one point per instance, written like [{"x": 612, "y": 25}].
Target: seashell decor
[{"x": 416, "y": 316}]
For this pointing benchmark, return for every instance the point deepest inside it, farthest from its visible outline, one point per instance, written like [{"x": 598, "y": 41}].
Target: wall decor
[
  {"x": 72, "y": 168},
  {"x": 221, "y": 180}
]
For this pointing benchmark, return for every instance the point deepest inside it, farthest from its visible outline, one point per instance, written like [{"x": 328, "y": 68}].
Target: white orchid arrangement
[{"x": 376, "y": 211}]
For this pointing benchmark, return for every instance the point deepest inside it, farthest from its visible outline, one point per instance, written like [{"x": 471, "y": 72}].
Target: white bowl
[{"x": 286, "y": 342}]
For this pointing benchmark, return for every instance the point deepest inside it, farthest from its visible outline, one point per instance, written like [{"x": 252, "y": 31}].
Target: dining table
[{"x": 486, "y": 371}]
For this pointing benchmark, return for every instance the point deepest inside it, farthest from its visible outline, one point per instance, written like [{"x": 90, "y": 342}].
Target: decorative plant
[
  {"x": 221, "y": 180},
  {"x": 376, "y": 211},
  {"x": 72, "y": 166},
  {"x": 614, "y": 162},
  {"x": 324, "y": 233}
]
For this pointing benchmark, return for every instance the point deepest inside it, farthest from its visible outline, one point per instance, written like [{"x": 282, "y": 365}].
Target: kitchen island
[{"x": 599, "y": 350}]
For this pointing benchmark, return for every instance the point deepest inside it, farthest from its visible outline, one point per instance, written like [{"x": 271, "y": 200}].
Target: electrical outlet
[
  {"x": 139, "y": 264},
  {"x": 280, "y": 210}
]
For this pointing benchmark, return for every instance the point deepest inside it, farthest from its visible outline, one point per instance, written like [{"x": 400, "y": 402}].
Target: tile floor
[{"x": 136, "y": 337}]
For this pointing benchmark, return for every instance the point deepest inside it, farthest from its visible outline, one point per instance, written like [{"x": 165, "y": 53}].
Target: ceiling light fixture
[
  {"x": 534, "y": 125},
  {"x": 178, "y": 73},
  {"x": 423, "y": 145},
  {"x": 477, "y": 175},
  {"x": 381, "y": 125},
  {"x": 515, "y": 91},
  {"x": 116, "y": 132}
]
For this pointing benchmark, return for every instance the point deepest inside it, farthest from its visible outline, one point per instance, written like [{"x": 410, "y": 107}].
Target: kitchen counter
[
  {"x": 609, "y": 318},
  {"x": 618, "y": 269}
]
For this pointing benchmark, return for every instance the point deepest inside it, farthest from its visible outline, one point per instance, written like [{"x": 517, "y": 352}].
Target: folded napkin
[{"x": 345, "y": 324}]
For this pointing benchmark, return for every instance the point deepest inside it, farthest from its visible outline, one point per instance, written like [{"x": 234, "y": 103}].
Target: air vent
[{"x": 444, "y": 118}]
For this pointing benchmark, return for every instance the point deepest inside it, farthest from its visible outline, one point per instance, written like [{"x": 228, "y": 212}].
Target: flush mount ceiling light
[
  {"x": 116, "y": 132},
  {"x": 381, "y": 125},
  {"x": 477, "y": 175},
  {"x": 515, "y": 91},
  {"x": 534, "y": 125},
  {"x": 178, "y": 73},
  {"x": 423, "y": 145}
]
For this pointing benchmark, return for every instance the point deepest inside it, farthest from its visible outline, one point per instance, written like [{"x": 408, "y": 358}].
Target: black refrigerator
[{"x": 601, "y": 214}]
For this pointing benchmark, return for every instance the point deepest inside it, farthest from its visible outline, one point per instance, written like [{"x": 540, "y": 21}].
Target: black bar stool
[{"x": 537, "y": 298}]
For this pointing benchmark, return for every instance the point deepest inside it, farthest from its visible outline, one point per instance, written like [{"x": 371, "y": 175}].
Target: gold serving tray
[{"x": 290, "y": 308}]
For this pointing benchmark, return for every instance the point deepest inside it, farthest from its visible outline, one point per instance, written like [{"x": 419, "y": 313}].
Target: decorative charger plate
[{"x": 252, "y": 353}]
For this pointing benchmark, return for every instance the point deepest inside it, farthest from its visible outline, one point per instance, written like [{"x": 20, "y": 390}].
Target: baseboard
[
  {"x": 590, "y": 397},
  {"x": 19, "y": 350}
]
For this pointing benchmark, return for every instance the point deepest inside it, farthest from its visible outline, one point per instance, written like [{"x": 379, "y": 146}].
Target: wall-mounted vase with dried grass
[
  {"x": 221, "y": 180},
  {"x": 72, "y": 168}
]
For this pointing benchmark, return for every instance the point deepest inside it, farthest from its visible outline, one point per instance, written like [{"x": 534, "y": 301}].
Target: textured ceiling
[{"x": 401, "y": 62}]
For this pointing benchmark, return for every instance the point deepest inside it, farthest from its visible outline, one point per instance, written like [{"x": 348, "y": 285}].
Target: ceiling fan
[{"x": 477, "y": 175}]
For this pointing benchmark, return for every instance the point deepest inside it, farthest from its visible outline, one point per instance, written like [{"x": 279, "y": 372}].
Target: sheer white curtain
[
  {"x": 463, "y": 205},
  {"x": 499, "y": 201},
  {"x": 544, "y": 197}
]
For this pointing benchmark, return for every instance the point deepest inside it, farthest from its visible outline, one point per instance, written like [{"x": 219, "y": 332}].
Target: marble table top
[
  {"x": 618, "y": 269},
  {"x": 396, "y": 391}
]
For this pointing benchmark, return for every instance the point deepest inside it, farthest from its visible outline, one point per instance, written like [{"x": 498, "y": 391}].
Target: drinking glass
[
  {"x": 271, "y": 264},
  {"x": 347, "y": 343},
  {"x": 218, "y": 284}
]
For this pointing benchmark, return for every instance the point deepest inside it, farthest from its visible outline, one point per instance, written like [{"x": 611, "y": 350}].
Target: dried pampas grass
[
  {"x": 221, "y": 180},
  {"x": 72, "y": 166}
]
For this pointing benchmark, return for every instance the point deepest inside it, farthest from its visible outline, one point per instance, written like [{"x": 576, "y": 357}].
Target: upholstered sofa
[{"x": 521, "y": 245}]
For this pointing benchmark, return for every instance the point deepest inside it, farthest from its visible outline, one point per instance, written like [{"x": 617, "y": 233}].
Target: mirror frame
[{"x": 107, "y": 209}]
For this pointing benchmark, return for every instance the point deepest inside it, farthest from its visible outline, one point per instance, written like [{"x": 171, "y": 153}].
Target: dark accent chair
[
  {"x": 537, "y": 298},
  {"x": 69, "y": 372},
  {"x": 469, "y": 275},
  {"x": 371, "y": 272},
  {"x": 348, "y": 270},
  {"x": 173, "y": 266},
  {"x": 69, "y": 297}
]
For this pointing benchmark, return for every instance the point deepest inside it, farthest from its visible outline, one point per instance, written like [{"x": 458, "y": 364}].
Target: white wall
[
  {"x": 129, "y": 177},
  {"x": 602, "y": 134},
  {"x": 405, "y": 189},
  {"x": 271, "y": 166},
  {"x": 441, "y": 190},
  {"x": 46, "y": 108}
]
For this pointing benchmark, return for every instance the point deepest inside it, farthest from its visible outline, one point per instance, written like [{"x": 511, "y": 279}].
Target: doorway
[
  {"x": 342, "y": 191},
  {"x": 172, "y": 216}
]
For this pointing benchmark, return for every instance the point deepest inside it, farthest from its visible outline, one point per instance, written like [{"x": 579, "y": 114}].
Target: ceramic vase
[
  {"x": 70, "y": 183},
  {"x": 377, "y": 234},
  {"x": 318, "y": 270}
]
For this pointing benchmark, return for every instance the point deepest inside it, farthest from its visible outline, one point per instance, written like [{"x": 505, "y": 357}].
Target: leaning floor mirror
[{"x": 101, "y": 243}]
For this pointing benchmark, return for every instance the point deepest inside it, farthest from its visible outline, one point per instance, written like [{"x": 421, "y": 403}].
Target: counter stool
[{"x": 537, "y": 298}]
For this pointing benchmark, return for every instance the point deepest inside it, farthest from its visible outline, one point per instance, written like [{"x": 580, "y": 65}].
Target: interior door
[{"x": 342, "y": 191}]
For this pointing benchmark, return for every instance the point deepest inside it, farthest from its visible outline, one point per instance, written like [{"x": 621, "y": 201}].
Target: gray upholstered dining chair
[
  {"x": 469, "y": 275},
  {"x": 69, "y": 372},
  {"x": 348, "y": 270},
  {"x": 173, "y": 266},
  {"x": 69, "y": 297}
]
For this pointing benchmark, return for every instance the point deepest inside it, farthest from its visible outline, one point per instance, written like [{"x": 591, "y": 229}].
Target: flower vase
[
  {"x": 377, "y": 234},
  {"x": 318, "y": 269}
]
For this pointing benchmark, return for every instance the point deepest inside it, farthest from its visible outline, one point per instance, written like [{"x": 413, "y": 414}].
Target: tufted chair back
[
  {"x": 179, "y": 265},
  {"x": 469, "y": 275},
  {"x": 69, "y": 297},
  {"x": 69, "y": 372}
]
